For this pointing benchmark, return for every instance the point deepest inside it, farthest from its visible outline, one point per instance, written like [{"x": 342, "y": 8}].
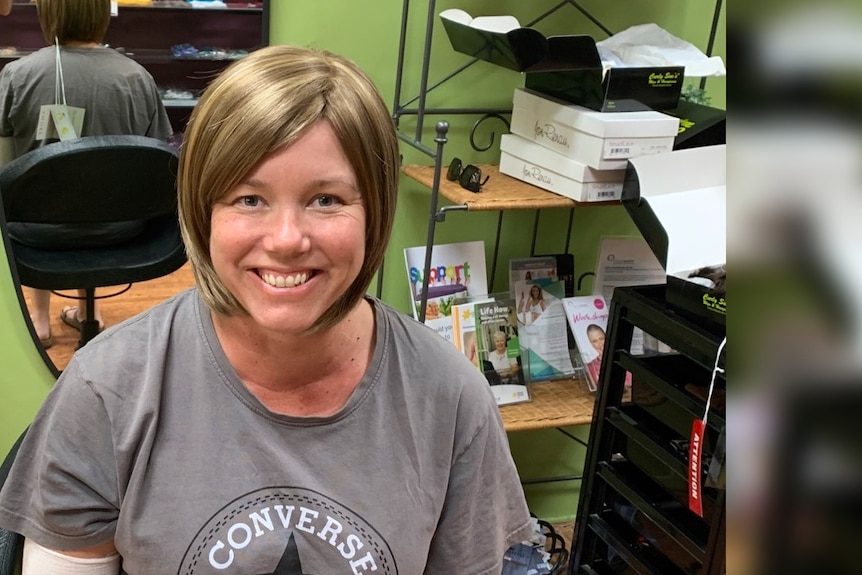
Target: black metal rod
[
  {"x": 443, "y": 80},
  {"x": 442, "y": 129},
  {"x": 547, "y": 13},
  {"x": 710, "y": 44},
  {"x": 416, "y": 144},
  {"x": 379, "y": 290},
  {"x": 590, "y": 17},
  {"x": 572, "y": 436},
  {"x": 535, "y": 233},
  {"x": 441, "y": 213},
  {"x": 399, "y": 71},
  {"x": 569, "y": 232},
  {"x": 551, "y": 479},
  {"x": 426, "y": 64},
  {"x": 453, "y": 111},
  {"x": 496, "y": 250}
]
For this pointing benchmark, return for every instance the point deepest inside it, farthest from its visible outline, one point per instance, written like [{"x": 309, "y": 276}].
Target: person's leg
[
  {"x": 40, "y": 313},
  {"x": 73, "y": 315}
]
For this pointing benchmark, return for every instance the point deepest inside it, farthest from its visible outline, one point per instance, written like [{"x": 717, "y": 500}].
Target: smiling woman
[{"x": 274, "y": 418}]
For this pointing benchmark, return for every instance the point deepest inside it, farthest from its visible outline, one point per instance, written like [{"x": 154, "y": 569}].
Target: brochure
[
  {"x": 500, "y": 349},
  {"x": 458, "y": 272},
  {"x": 542, "y": 325}
]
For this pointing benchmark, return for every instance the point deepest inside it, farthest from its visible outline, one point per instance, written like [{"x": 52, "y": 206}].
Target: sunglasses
[{"x": 470, "y": 177}]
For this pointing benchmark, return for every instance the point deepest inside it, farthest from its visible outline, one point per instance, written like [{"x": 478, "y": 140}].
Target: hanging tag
[
  {"x": 57, "y": 121},
  {"x": 67, "y": 121},
  {"x": 695, "y": 449}
]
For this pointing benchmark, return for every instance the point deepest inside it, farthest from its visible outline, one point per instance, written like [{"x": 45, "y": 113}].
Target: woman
[
  {"x": 596, "y": 337},
  {"x": 118, "y": 97},
  {"x": 274, "y": 419},
  {"x": 532, "y": 307},
  {"x": 505, "y": 367}
]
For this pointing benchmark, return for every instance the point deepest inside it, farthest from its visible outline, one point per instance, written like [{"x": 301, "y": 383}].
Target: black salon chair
[
  {"x": 93, "y": 180},
  {"x": 11, "y": 543}
]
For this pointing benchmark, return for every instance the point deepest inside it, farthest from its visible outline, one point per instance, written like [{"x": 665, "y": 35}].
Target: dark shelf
[
  {"x": 669, "y": 375},
  {"x": 668, "y": 519}
]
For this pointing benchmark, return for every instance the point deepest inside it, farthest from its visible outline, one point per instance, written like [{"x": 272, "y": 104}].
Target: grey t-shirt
[
  {"x": 118, "y": 94},
  {"x": 150, "y": 439}
]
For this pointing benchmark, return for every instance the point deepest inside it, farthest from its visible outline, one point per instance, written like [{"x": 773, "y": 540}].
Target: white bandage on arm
[{"x": 39, "y": 561}]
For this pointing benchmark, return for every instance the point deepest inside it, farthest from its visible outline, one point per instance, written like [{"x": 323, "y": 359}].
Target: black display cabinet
[{"x": 633, "y": 514}]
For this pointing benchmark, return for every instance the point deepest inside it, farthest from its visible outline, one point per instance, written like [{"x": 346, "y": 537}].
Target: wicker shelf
[
  {"x": 558, "y": 403},
  {"x": 502, "y": 192}
]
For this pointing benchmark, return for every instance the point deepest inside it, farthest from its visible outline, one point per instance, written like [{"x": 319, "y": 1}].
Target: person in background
[
  {"x": 119, "y": 97},
  {"x": 274, "y": 418}
]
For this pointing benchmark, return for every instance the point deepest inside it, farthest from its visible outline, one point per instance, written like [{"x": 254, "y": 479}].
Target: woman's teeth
[{"x": 285, "y": 281}]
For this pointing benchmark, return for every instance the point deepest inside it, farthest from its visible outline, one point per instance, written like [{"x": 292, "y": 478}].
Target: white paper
[
  {"x": 651, "y": 45},
  {"x": 489, "y": 23},
  {"x": 688, "y": 215},
  {"x": 626, "y": 261}
]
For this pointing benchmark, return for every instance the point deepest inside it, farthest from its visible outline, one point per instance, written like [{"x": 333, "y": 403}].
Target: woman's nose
[{"x": 288, "y": 231}]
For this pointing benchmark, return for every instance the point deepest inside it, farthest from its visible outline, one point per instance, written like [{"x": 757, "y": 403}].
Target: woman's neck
[
  {"x": 80, "y": 44},
  {"x": 319, "y": 370}
]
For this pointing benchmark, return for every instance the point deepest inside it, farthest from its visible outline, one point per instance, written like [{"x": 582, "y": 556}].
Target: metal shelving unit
[{"x": 511, "y": 189}]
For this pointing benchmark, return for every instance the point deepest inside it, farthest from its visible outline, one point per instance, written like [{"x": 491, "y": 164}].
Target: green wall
[
  {"x": 369, "y": 34},
  {"x": 25, "y": 377}
]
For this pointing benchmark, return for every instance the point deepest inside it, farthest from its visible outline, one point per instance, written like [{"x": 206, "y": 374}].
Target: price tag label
[{"x": 695, "y": 452}]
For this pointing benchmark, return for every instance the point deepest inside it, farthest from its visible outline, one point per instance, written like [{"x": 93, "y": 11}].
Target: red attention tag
[{"x": 694, "y": 455}]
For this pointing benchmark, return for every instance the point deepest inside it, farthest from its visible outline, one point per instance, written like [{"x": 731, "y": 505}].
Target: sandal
[
  {"x": 69, "y": 315},
  {"x": 47, "y": 341}
]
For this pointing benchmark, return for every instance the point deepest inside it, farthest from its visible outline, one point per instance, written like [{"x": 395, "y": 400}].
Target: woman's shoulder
[
  {"x": 132, "y": 339},
  {"x": 429, "y": 356}
]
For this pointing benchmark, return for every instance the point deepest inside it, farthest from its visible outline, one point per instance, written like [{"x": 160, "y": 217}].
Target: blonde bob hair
[
  {"x": 74, "y": 20},
  {"x": 256, "y": 107}
]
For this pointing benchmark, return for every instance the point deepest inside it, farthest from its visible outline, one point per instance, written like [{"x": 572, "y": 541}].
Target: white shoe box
[
  {"x": 602, "y": 140},
  {"x": 534, "y": 164}
]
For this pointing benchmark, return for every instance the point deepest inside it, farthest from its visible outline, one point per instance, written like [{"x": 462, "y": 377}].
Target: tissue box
[
  {"x": 678, "y": 202},
  {"x": 539, "y": 166},
  {"x": 566, "y": 67},
  {"x": 598, "y": 139}
]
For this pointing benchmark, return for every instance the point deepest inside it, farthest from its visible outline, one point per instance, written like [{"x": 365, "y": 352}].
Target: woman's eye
[
  {"x": 249, "y": 201},
  {"x": 325, "y": 201}
]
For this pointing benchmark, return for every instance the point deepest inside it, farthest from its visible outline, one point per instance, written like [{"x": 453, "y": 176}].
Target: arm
[
  {"x": 5, "y": 7},
  {"x": 100, "y": 560},
  {"x": 485, "y": 511}
]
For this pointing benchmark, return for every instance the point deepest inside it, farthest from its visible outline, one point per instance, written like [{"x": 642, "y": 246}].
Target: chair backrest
[{"x": 90, "y": 180}]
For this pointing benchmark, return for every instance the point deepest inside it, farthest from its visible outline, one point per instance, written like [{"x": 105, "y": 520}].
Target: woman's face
[
  {"x": 289, "y": 240},
  {"x": 535, "y": 292},
  {"x": 499, "y": 343},
  {"x": 597, "y": 340}
]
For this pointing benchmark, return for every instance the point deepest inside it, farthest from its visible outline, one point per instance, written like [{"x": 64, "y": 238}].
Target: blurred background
[{"x": 794, "y": 240}]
